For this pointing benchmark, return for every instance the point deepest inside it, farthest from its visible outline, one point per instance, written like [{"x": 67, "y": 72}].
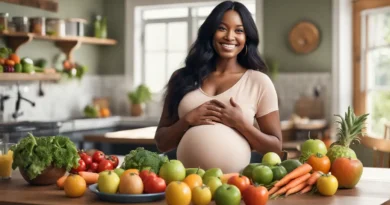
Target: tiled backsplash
[{"x": 66, "y": 99}]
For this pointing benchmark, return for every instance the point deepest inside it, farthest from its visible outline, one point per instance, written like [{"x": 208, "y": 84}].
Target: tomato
[
  {"x": 201, "y": 195},
  {"x": 241, "y": 182},
  {"x": 255, "y": 195},
  {"x": 193, "y": 180},
  {"x": 87, "y": 159},
  {"x": 98, "y": 156},
  {"x": 145, "y": 173},
  {"x": 327, "y": 185},
  {"x": 114, "y": 160},
  {"x": 94, "y": 167},
  {"x": 82, "y": 167},
  {"x": 347, "y": 171},
  {"x": 130, "y": 184},
  {"x": 178, "y": 193},
  {"x": 319, "y": 162},
  {"x": 74, "y": 186},
  {"x": 153, "y": 184},
  {"x": 105, "y": 165}
]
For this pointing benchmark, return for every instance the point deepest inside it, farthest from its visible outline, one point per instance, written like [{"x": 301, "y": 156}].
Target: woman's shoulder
[{"x": 258, "y": 77}]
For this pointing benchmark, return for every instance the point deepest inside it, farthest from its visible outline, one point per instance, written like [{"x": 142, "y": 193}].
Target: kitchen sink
[{"x": 18, "y": 130}]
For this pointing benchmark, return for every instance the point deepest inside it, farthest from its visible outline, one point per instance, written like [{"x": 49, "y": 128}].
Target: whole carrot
[
  {"x": 297, "y": 181},
  {"x": 299, "y": 171},
  {"x": 314, "y": 177},
  {"x": 273, "y": 190},
  {"x": 281, "y": 191},
  {"x": 296, "y": 189},
  {"x": 306, "y": 189}
]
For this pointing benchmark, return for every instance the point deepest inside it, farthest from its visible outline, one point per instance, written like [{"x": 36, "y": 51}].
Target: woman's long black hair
[{"x": 201, "y": 59}]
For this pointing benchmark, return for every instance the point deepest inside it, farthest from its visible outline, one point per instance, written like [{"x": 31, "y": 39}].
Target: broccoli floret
[{"x": 141, "y": 158}]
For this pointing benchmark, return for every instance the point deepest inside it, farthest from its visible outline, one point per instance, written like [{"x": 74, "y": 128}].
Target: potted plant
[
  {"x": 43, "y": 160},
  {"x": 137, "y": 98}
]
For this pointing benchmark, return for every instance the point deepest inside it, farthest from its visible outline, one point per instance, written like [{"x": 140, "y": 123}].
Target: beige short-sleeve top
[{"x": 209, "y": 146}]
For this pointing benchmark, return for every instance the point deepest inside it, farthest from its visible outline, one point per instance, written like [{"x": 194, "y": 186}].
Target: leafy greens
[{"x": 35, "y": 154}]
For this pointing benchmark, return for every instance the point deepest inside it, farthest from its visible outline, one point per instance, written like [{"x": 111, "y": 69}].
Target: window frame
[{"x": 192, "y": 21}]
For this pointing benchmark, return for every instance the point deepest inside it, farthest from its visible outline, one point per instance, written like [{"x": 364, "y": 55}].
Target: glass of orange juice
[{"x": 6, "y": 159}]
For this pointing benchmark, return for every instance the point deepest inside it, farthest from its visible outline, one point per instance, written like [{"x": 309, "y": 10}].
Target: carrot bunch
[{"x": 299, "y": 180}]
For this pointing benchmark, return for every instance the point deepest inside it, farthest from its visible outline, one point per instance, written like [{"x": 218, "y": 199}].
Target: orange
[
  {"x": 128, "y": 171},
  {"x": 10, "y": 62},
  {"x": 131, "y": 184},
  {"x": 14, "y": 57},
  {"x": 193, "y": 180},
  {"x": 75, "y": 186},
  {"x": 105, "y": 112},
  {"x": 2, "y": 61},
  {"x": 178, "y": 193}
]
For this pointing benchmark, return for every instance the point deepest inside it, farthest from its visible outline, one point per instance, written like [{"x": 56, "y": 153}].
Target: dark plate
[{"x": 127, "y": 198}]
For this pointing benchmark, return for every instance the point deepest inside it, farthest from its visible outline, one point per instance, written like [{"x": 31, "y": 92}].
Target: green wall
[
  {"x": 280, "y": 16},
  {"x": 88, "y": 55}
]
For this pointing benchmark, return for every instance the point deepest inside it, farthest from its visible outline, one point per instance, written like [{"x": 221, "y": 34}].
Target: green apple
[
  {"x": 108, "y": 182},
  {"x": 172, "y": 170},
  {"x": 197, "y": 171},
  {"x": 271, "y": 158},
  {"x": 119, "y": 171},
  {"x": 262, "y": 175},
  {"x": 227, "y": 194},
  {"x": 310, "y": 147},
  {"x": 248, "y": 169},
  {"x": 214, "y": 183},
  {"x": 212, "y": 172}
]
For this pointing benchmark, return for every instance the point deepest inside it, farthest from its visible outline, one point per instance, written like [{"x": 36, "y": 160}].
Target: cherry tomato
[
  {"x": 98, "y": 156},
  {"x": 154, "y": 184},
  {"x": 82, "y": 167},
  {"x": 146, "y": 173},
  {"x": 87, "y": 159},
  {"x": 241, "y": 182},
  {"x": 105, "y": 165},
  {"x": 255, "y": 195},
  {"x": 93, "y": 167},
  {"x": 114, "y": 160}
]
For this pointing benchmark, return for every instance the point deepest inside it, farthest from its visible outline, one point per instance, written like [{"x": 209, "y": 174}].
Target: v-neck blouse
[{"x": 209, "y": 146}]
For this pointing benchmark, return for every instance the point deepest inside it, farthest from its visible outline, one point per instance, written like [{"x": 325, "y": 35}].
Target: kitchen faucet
[
  {"x": 17, "y": 114},
  {"x": 3, "y": 98}
]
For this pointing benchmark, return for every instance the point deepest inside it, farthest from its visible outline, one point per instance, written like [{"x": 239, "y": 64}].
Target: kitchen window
[
  {"x": 375, "y": 67},
  {"x": 166, "y": 33}
]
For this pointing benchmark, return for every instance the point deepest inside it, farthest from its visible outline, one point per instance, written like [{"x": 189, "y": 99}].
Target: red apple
[{"x": 347, "y": 171}]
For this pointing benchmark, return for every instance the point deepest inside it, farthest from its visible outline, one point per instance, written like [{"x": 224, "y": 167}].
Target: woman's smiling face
[{"x": 229, "y": 39}]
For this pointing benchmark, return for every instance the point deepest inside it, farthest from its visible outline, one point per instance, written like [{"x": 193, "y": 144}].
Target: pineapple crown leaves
[{"x": 350, "y": 128}]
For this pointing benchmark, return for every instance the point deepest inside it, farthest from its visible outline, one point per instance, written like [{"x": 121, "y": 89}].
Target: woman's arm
[
  {"x": 169, "y": 131},
  {"x": 266, "y": 139}
]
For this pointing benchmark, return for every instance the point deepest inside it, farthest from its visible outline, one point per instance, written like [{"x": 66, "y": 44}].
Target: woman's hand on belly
[
  {"x": 205, "y": 114},
  {"x": 231, "y": 114}
]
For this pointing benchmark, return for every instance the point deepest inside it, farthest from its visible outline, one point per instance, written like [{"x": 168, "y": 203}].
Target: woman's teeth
[{"x": 228, "y": 46}]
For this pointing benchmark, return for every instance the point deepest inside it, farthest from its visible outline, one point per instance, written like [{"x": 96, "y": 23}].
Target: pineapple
[{"x": 351, "y": 127}]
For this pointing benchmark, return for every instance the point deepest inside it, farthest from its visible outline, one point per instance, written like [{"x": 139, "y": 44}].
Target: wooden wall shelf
[
  {"x": 66, "y": 44},
  {"x": 29, "y": 77}
]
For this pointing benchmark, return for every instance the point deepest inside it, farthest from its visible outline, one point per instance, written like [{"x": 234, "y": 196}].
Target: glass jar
[
  {"x": 3, "y": 22},
  {"x": 38, "y": 25},
  {"x": 21, "y": 23},
  {"x": 55, "y": 27}
]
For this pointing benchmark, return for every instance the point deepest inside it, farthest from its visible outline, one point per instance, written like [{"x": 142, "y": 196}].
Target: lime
[
  {"x": 262, "y": 175},
  {"x": 278, "y": 172},
  {"x": 291, "y": 164},
  {"x": 271, "y": 158},
  {"x": 248, "y": 169}
]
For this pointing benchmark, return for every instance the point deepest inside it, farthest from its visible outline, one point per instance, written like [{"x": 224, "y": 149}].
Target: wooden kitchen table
[{"x": 373, "y": 189}]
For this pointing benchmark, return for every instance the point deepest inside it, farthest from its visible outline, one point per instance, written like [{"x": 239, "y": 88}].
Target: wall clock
[{"x": 304, "y": 37}]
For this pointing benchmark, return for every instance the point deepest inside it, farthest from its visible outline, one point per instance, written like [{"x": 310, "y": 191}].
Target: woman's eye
[
  {"x": 221, "y": 28},
  {"x": 239, "y": 30}
]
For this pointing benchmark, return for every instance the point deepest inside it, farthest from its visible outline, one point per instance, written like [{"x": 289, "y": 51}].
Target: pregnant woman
[{"x": 213, "y": 103}]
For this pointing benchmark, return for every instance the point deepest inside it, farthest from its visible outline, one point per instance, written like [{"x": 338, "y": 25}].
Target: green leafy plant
[
  {"x": 141, "y": 95},
  {"x": 35, "y": 154}
]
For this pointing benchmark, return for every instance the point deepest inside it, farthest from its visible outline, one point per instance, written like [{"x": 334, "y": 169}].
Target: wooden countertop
[{"x": 373, "y": 188}]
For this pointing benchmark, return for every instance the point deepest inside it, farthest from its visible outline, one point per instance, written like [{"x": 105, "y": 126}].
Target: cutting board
[{"x": 141, "y": 133}]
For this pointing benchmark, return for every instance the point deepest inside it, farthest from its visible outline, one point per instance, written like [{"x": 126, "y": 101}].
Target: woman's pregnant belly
[{"x": 214, "y": 146}]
